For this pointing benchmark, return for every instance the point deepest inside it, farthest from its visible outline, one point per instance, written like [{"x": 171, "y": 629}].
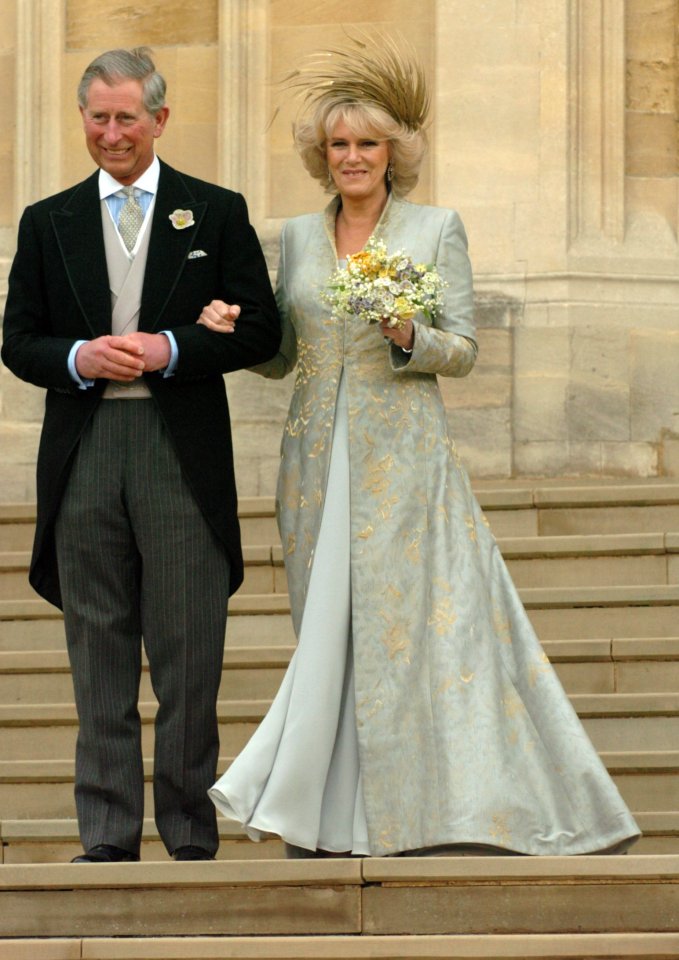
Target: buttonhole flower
[{"x": 181, "y": 219}]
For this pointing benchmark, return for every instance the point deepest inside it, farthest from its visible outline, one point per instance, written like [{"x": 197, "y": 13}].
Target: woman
[{"x": 419, "y": 712}]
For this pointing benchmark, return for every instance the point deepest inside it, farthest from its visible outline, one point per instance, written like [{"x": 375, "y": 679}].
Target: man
[{"x": 137, "y": 532}]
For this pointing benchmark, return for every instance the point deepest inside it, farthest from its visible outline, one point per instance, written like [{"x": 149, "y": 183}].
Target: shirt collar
[{"x": 148, "y": 181}]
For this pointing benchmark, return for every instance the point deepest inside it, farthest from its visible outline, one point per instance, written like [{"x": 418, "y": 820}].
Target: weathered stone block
[
  {"x": 300, "y": 13},
  {"x": 20, "y": 401},
  {"x": 550, "y": 459},
  {"x": 541, "y": 351},
  {"x": 540, "y": 408},
  {"x": 495, "y": 348},
  {"x": 670, "y": 457},
  {"x": 496, "y": 309},
  {"x": 651, "y": 144},
  {"x": 19, "y": 443},
  {"x": 650, "y": 86},
  {"x": 17, "y": 483},
  {"x": 654, "y": 384},
  {"x": 159, "y": 22},
  {"x": 483, "y": 438},
  {"x": 650, "y": 27},
  {"x": 253, "y": 397},
  {"x": 654, "y": 197},
  {"x": 481, "y": 389},
  {"x": 597, "y": 411},
  {"x": 629, "y": 459}
]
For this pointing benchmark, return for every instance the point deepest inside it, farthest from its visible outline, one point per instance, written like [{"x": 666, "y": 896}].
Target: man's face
[{"x": 118, "y": 129}]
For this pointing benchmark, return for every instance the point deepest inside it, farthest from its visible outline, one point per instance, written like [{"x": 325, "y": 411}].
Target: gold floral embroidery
[
  {"x": 292, "y": 544},
  {"x": 395, "y": 638},
  {"x": 442, "y": 617},
  {"x": 444, "y": 687},
  {"x": 513, "y": 705},
  {"x": 501, "y": 832},
  {"x": 412, "y": 550},
  {"x": 501, "y": 625},
  {"x": 377, "y": 480},
  {"x": 385, "y": 507}
]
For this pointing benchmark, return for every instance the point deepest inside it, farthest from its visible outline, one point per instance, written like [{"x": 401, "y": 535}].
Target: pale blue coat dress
[{"x": 419, "y": 709}]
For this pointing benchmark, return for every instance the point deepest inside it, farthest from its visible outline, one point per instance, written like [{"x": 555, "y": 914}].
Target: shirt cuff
[
  {"x": 174, "y": 355},
  {"x": 82, "y": 384}
]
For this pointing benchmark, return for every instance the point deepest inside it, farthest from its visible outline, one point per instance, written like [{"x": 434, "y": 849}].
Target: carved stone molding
[
  {"x": 597, "y": 120},
  {"x": 242, "y": 144},
  {"x": 40, "y": 49}
]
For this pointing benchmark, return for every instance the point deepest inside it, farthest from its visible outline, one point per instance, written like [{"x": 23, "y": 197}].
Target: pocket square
[{"x": 196, "y": 253}]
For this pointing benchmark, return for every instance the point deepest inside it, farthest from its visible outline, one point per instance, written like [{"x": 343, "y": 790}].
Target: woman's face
[{"x": 357, "y": 164}]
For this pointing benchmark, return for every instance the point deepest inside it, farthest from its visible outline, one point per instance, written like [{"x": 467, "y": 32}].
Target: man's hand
[
  {"x": 111, "y": 358},
  {"x": 219, "y": 316},
  {"x": 123, "y": 358},
  {"x": 156, "y": 350}
]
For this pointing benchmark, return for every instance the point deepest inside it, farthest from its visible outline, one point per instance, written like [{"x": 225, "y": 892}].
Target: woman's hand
[
  {"x": 403, "y": 337},
  {"x": 219, "y": 316}
]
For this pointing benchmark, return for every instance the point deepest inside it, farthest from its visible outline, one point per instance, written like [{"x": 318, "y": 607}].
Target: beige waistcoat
[{"x": 126, "y": 280}]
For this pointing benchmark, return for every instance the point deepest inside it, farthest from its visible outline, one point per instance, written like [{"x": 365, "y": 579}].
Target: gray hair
[{"x": 116, "y": 65}]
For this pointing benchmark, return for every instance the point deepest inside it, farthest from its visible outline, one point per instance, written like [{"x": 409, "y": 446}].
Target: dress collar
[{"x": 332, "y": 209}]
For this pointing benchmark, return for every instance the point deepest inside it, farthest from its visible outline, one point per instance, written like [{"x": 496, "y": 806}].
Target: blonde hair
[{"x": 406, "y": 146}]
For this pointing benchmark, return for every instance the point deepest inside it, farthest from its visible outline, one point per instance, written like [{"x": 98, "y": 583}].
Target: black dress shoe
[
  {"x": 192, "y": 853},
  {"x": 106, "y": 853}
]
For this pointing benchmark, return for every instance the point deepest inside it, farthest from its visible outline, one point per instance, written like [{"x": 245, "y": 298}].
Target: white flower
[
  {"x": 377, "y": 286},
  {"x": 181, "y": 219}
]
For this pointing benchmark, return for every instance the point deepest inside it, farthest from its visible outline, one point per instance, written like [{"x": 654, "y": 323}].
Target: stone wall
[{"x": 554, "y": 132}]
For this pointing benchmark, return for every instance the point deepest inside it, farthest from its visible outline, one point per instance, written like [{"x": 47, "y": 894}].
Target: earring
[{"x": 390, "y": 171}]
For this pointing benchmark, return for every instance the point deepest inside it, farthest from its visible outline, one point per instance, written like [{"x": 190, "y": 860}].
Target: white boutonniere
[{"x": 181, "y": 219}]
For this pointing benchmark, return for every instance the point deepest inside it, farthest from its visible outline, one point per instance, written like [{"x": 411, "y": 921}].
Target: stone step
[
  {"x": 21, "y": 629},
  {"x": 568, "y": 946},
  {"x": 262, "y": 574},
  {"x": 341, "y": 897},
  {"x": 516, "y": 508},
  {"x": 600, "y": 666},
  {"x": 556, "y": 612},
  {"x": 57, "y": 840},
  {"x": 44, "y": 676},
  {"x": 43, "y": 788},
  {"x": 612, "y": 560},
  {"x": 618, "y": 721}
]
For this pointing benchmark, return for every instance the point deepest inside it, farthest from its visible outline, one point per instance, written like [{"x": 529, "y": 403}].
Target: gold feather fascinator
[{"x": 377, "y": 70}]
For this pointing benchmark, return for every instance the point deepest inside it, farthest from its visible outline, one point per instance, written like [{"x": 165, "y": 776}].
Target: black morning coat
[{"x": 59, "y": 293}]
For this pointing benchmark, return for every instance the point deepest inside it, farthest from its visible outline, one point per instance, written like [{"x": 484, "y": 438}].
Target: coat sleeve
[
  {"x": 245, "y": 281},
  {"x": 447, "y": 347},
  {"x": 284, "y": 361}
]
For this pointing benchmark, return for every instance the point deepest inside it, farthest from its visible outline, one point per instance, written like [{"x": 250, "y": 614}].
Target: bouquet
[{"x": 378, "y": 286}]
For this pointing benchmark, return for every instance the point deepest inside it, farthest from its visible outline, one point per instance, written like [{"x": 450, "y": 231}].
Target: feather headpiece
[{"x": 377, "y": 71}]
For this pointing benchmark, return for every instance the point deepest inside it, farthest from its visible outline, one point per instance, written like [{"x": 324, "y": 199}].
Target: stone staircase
[{"x": 598, "y": 569}]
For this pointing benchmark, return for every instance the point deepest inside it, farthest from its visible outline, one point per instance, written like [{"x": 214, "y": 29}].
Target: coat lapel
[
  {"x": 168, "y": 247},
  {"x": 80, "y": 238}
]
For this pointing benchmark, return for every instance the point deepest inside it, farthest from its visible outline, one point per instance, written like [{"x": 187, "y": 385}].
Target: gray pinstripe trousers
[{"x": 138, "y": 560}]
